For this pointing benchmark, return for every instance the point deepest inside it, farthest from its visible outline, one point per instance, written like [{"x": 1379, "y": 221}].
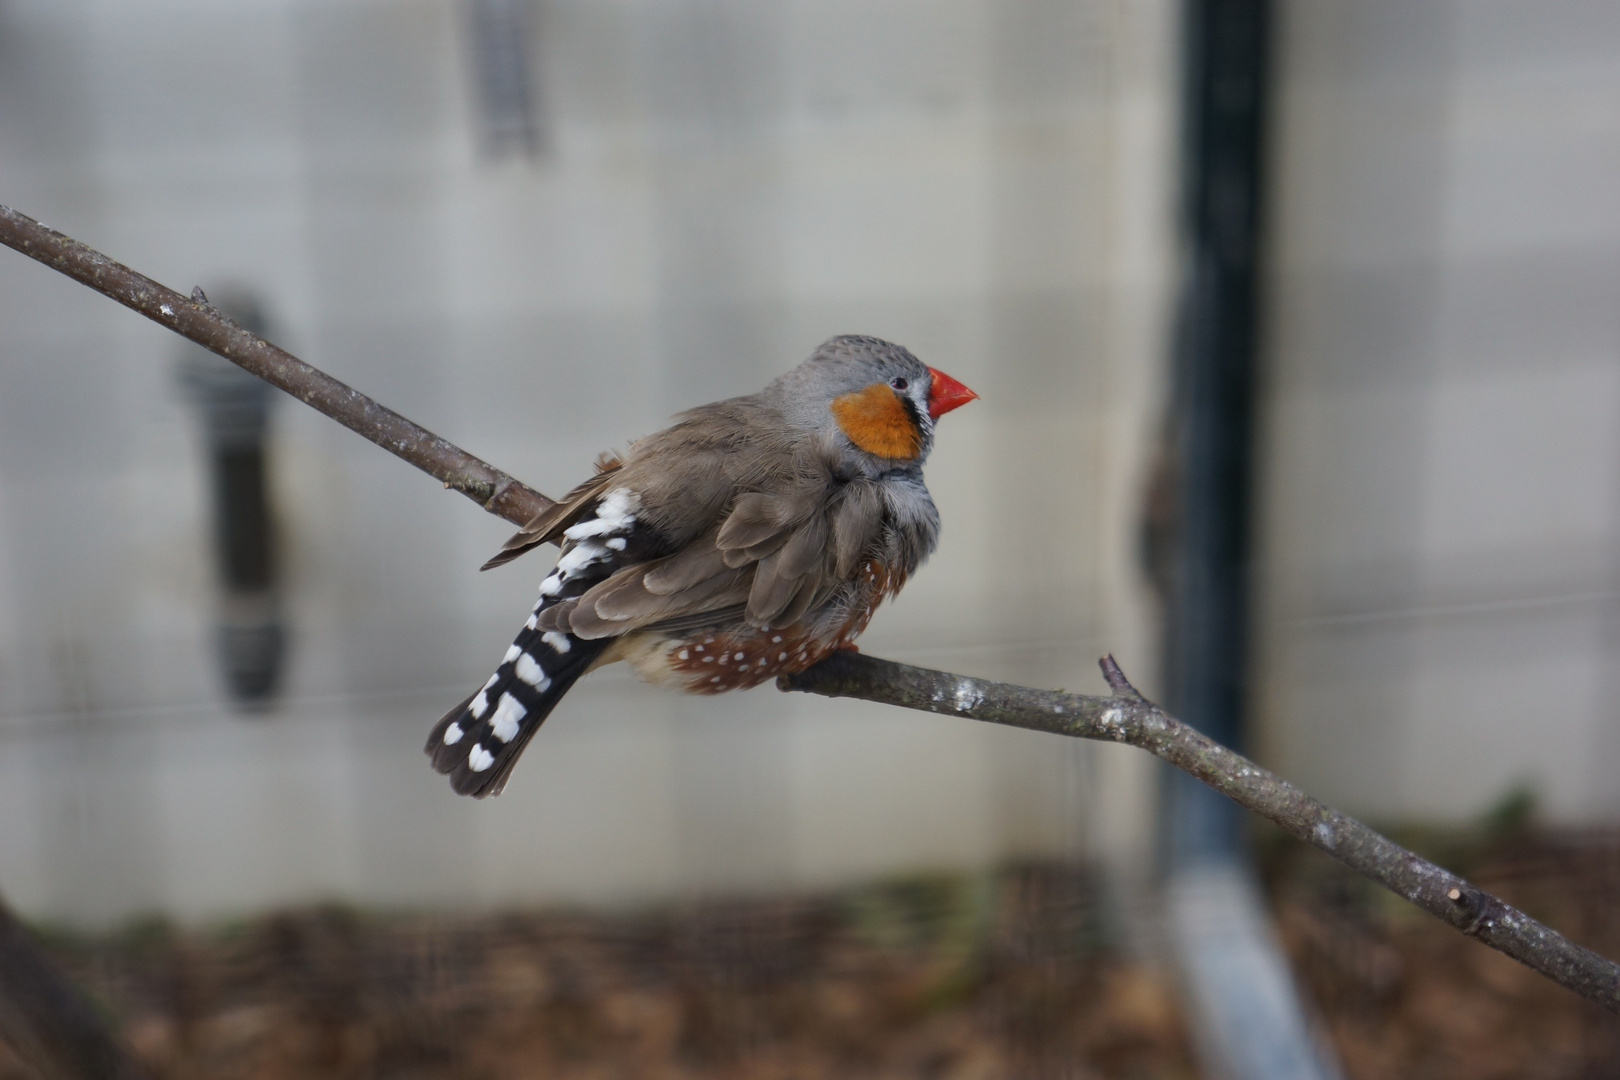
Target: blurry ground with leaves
[
  {"x": 1404, "y": 995},
  {"x": 1009, "y": 975}
]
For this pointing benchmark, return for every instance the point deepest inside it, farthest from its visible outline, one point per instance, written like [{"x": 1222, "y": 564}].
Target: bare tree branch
[
  {"x": 46, "y": 1022},
  {"x": 1129, "y": 718},
  {"x": 194, "y": 318},
  {"x": 1125, "y": 717}
]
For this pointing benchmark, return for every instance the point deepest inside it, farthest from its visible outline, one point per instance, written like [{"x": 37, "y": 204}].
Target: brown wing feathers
[
  {"x": 798, "y": 567},
  {"x": 857, "y": 520},
  {"x": 768, "y": 559},
  {"x": 549, "y": 524},
  {"x": 755, "y": 520},
  {"x": 698, "y": 563}
]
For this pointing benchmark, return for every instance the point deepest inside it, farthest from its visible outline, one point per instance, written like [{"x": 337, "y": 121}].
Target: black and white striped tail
[{"x": 478, "y": 742}]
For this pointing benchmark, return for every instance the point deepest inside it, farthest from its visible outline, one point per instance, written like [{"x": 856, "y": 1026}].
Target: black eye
[{"x": 899, "y": 382}]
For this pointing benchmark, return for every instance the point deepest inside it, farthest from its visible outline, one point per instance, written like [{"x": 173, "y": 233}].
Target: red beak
[{"x": 946, "y": 394}]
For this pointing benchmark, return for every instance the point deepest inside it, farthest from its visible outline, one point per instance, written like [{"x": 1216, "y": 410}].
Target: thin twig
[
  {"x": 194, "y": 318},
  {"x": 1125, "y": 717},
  {"x": 1117, "y": 682}
]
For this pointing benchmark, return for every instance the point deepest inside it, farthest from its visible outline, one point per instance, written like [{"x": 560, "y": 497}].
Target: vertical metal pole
[
  {"x": 1246, "y": 1014},
  {"x": 1214, "y": 392}
]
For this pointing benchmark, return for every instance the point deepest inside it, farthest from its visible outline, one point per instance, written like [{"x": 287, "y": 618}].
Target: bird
[{"x": 751, "y": 539}]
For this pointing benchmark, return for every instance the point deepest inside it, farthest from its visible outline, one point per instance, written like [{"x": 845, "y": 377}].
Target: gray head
[{"x": 873, "y": 394}]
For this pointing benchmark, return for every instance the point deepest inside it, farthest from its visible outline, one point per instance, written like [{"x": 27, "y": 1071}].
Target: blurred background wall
[
  {"x": 1442, "y": 463},
  {"x": 540, "y": 230}
]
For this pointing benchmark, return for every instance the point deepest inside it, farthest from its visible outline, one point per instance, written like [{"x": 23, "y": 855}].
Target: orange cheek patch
[{"x": 877, "y": 422}]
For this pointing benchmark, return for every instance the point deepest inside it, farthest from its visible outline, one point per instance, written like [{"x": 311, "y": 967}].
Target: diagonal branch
[
  {"x": 194, "y": 318},
  {"x": 1125, "y": 717},
  {"x": 1129, "y": 718}
]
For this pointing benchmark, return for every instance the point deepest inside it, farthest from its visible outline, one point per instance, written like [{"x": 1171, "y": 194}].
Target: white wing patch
[
  {"x": 596, "y": 526},
  {"x": 583, "y": 546},
  {"x": 615, "y": 513},
  {"x": 579, "y": 557},
  {"x": 557, "y": 640},
  {"x": 479, "y": 759},
  {"x": 453, "y": 734},
  {"x": 508, "y": 711},
  {"x": 529, "y": 671}
]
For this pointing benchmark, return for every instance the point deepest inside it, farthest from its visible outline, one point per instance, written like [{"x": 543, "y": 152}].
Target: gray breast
[{"x": 913, "y": 519}]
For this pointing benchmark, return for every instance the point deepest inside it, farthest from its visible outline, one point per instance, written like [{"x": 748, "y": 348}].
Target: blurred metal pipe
[
  {"x": 502, "y": 59},
  {"x": 1214, "y": 389},
  {"x": 1247, "y": 1017},
  {"x": 1244, "y": 1006},
  {"x": 235, "y": 410}
]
